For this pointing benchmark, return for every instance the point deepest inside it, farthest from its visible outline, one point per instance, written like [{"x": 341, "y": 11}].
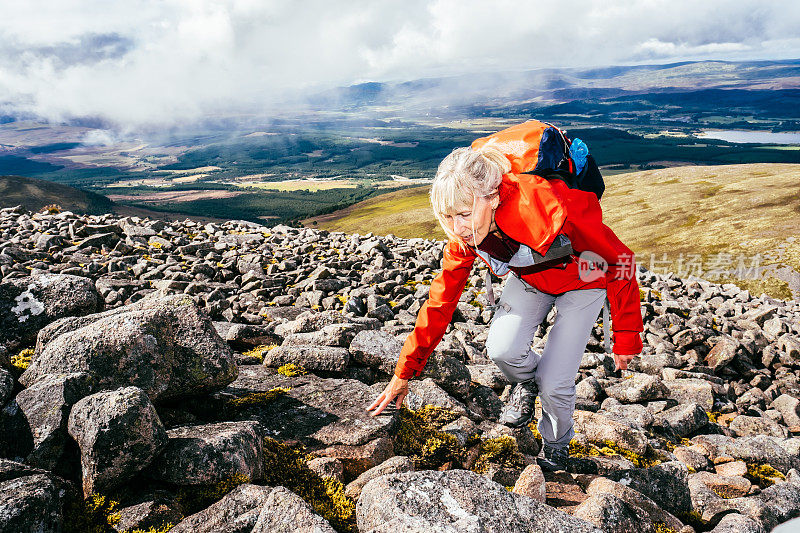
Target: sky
[{"x": 153, "y": 62}]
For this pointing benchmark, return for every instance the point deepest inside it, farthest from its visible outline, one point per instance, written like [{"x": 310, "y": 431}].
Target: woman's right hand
[{"x": 397, "y": 388}]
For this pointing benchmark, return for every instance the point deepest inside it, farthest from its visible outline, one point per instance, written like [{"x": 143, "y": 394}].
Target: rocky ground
[{"x": 213, "y": 377}]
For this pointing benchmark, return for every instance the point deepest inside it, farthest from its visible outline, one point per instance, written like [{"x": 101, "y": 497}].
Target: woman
[{"x": 511, "y": 221}]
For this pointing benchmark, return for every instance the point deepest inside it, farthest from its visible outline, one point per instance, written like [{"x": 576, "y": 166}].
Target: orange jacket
[{"x": 533, "y": 211}]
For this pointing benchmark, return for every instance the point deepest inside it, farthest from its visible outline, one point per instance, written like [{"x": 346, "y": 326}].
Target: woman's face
[{"x": 479, "y": 214}]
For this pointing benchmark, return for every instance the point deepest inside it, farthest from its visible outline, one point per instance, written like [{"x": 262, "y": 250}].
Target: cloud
[{"x": 151, "y": 62}]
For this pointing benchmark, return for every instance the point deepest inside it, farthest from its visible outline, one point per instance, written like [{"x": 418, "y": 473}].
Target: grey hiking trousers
[{"x": 519, "y": 312}]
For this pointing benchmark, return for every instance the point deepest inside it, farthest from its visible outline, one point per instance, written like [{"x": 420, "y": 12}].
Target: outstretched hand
[
  {"x": 397, "y": 388},
  {"x": 621, "y": 361}
]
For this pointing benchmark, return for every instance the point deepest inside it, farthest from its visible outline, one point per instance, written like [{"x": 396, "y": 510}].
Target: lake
[{"x": 748, "y": 136}]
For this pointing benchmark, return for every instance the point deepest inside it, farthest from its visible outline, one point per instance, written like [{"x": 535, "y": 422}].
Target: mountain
[
  {"x": 749, "y": 212},
  {"x": 33, "y": 194}
]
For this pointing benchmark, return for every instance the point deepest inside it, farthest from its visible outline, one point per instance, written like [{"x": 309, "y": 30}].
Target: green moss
[
  {"x": 194, "y": 498},
  {"x": 286, "y": 465},
  {"x": 501, "y": 451},
  {"x": 763, "y": 475},
  {"x": 95, "y": 514},
  {"x": 22, "y": 360},
  {"x": 419, "y": 438},
  {"x": 291, "y": 370},
  {"x": 256, "y": 399}
]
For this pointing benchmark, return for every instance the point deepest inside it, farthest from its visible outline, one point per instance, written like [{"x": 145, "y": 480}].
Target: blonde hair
[{"x": 462, "y": 177}]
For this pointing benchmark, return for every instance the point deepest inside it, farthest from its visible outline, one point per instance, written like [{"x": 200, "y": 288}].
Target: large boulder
[
  {"x": 286, "y": 512},
  {"x": 208, "y": 454},
  {"x": 667, "y": 484},
  {"x": 166, "y": 347},
  {"x": 29, "y": 304},
  {"x": 319, "y": 411},
  {"x": 455, "y": 501},
  {"x": 237, "y": 512},
  {"x": 46, "y": 405},
  {"x": 31, "y": 503},
  {"x": 118, "y": 433}
]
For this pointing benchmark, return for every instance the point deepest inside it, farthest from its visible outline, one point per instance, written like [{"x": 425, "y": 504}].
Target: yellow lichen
[
  {"x": 94, "y": 514},
  {"x": 419, "y": 438},
  {"x": 611, "y": 448},
  {"x": 22, "y": 360},
  {"x": 501, "y": 451},
  {"x": 286, "y": 466},
  {"x": 763, "y": 475},
  {"x": 577, "y": 449},
  {"x": 163, "y": 529},
  {"x": 291, "y": 370},
  {"x": 256, "y": 399},
  {"x": 661, "y": 527},
  {"x": 713, "y": 416},
  {"x": 259, "y": 351}
]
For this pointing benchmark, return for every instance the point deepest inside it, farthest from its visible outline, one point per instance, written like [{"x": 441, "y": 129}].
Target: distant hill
[
  {"x": 740, "y": 210},
  {"x": 33, "y": 194}
]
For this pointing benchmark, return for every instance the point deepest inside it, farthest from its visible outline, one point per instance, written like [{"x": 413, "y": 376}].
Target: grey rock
[
  {"x": 455, "y": 501},
  {"x": 762, "y": 449},
  {"x": 485, "y": 402},
  {"x": 789, "y": 408},
  {"x": 167, "y": 347},
  {"x": 46, "y": 405},
  {"x": 6, "y": 385},
  {"x": 667, "y": 484},
  {"x": 310, "y": 357},
  {"x": 612, "y": 514},
  {"x": 28, "y": 304},
  {"x": 743, "y": 425},
  {"x": 736, "y": 523},
  {"x": 599, "y": 428},
  {"x": 488, "y": 375},
  {"x": 449, "y": 373},
  {"x": 426, "y": 392},
  {"x": 638, "y": 388},
  {"x": 152, "y": 509},
  {"x": 118, "y": 433},
  {"x": 681, "y": 420},
  {"x": 691, "y": 390},
  {"x": 31, "y": 503},
  {"x": 654, "y": 513},
  {"x": 376, "y": 349},
  {"x": 285, "y": 512},
  {"x": 211, "y": 453},
  {"x": 396, "y": 464},
  {"x": 319, "y": 411},
  {"x": 237, "y": 512}
]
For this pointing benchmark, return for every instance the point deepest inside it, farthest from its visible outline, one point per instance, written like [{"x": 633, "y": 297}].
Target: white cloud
[{"x": 162, "y": 61}]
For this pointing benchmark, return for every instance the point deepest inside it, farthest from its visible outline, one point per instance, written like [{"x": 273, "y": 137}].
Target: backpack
[{"x": 539, "y": 148}]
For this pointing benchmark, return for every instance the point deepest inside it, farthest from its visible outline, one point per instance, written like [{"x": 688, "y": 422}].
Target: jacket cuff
[
  {"x": 406, "y": 372},
  {"x": 627, "y": 343}
]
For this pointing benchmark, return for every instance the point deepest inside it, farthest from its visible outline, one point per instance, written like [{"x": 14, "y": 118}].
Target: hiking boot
[
  {"x": 519, "y": 409},
  {"x": 555, "y": 458}
]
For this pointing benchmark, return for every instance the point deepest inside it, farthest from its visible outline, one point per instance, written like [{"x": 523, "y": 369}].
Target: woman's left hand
[{"x": 621, "y": 361}]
